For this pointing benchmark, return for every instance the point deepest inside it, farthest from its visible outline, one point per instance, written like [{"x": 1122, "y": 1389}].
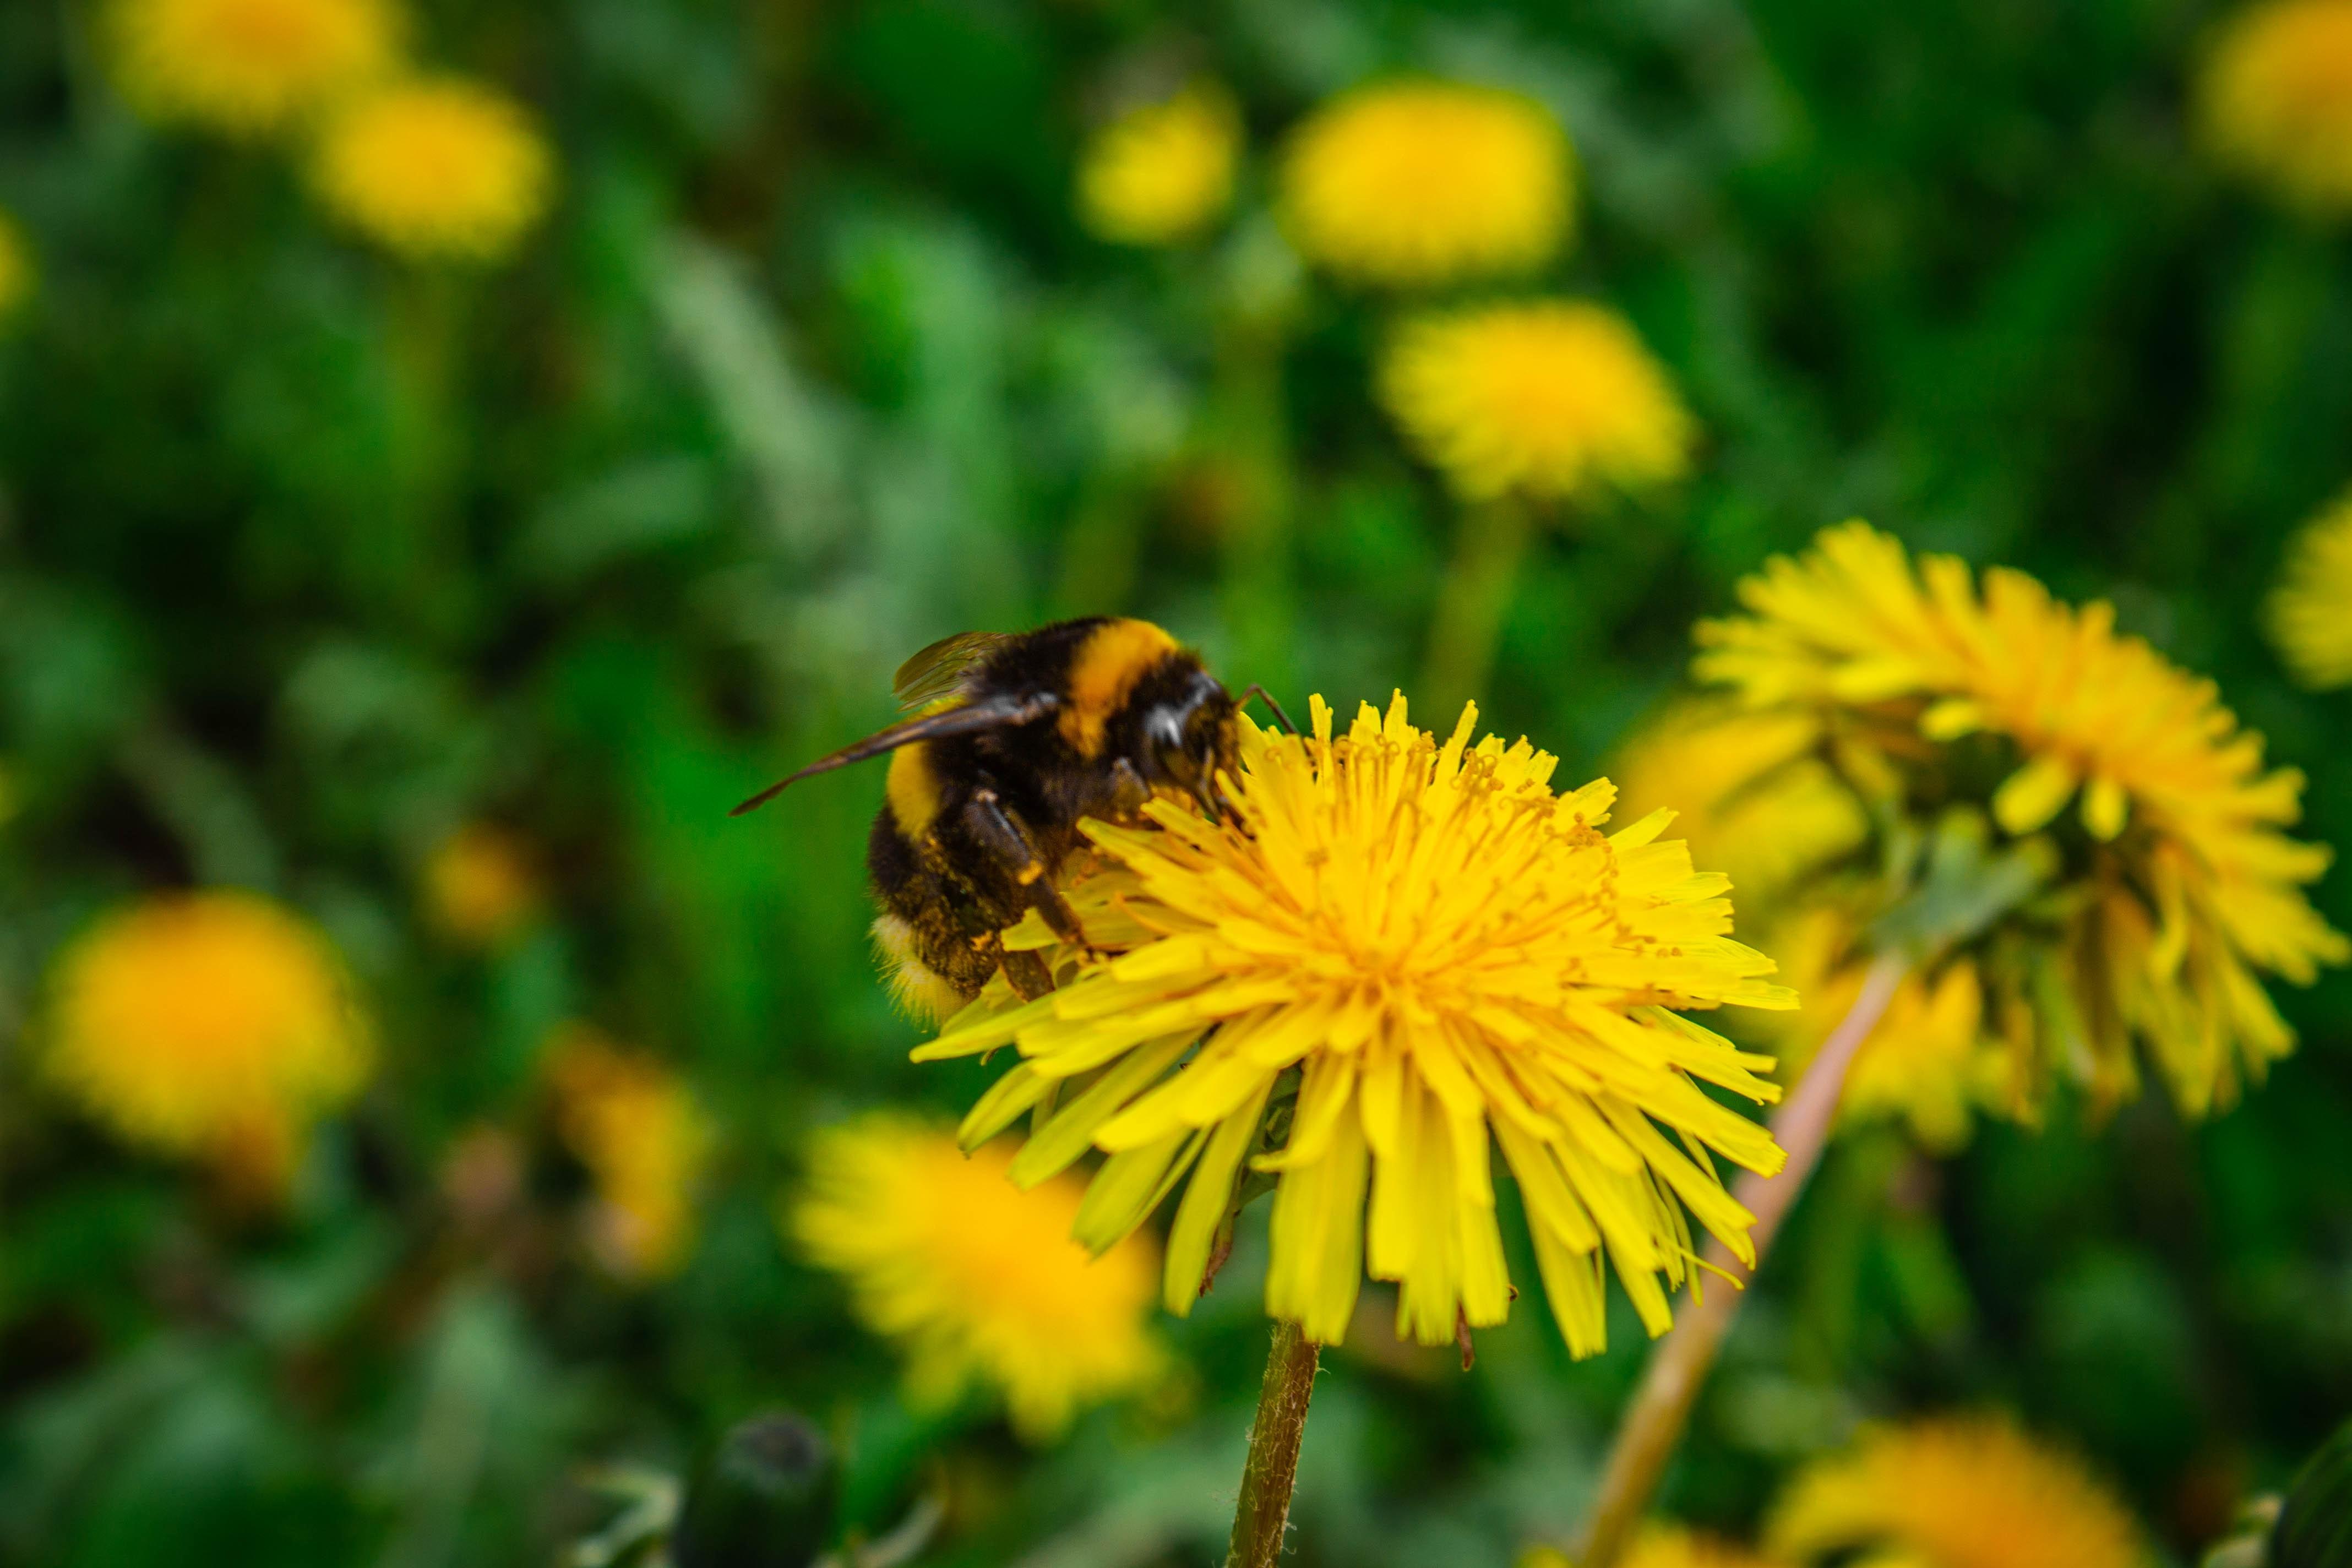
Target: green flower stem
[
  {"x": 1252, "y": 430},
  {"x": 1103, "y": 549},
  {"x": 414, "y": 561},
  {"x": 1262, "y": 1513},
  {"x": 1653, "y": 1423},
  {"x": 1490, "y": 549}
]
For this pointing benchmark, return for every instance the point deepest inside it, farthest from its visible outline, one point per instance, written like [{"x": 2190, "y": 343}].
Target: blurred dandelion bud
[
  {"x": 215, "y": 1025},
  {"x": 483, "y": 1177},
  {"x": 2309, "y": 615},
  {"x": 19, "y": 273},
  {"x": 1398, "y": 949},
  {"x": 2275, "y": 99},
  {"x": 766, "y": 1498},
  {"x": 1957, "y": 1491},
  {"x": 436, "y": 170},
  {"x": 1968, "y": 717},
  {"x": 1420, "y": 184},
  {"x": 975, "y": 1280},
  {"x": 1162, "y": 173},
  {"x": 479, "y": 888},
  {"x": 633, "y": 1122},
  {"x": 1550, "y": 399},
  {"x": 248, "y": 68}
]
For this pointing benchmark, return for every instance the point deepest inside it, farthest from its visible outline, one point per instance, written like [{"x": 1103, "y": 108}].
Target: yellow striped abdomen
[{"x": 913, "y": 789}]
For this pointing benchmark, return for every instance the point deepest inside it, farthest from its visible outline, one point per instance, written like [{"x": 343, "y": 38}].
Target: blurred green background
[{"x": 310, "y": 558}]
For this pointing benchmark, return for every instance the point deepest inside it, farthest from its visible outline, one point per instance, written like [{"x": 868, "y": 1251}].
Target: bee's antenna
[{"x": 1280, "y": 718}]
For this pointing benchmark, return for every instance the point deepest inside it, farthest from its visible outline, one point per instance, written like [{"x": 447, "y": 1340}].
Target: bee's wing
[
  {"x": 939, "y": 669},
  {"x": 990, "y": 713}
]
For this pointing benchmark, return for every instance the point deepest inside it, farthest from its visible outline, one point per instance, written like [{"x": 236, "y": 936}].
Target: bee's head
[{"x": 1185, "y": 723}]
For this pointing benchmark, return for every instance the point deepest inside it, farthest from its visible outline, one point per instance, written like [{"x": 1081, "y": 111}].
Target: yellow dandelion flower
[
  {"x": 1755, "y": 800},
  {"x": 1928, "y": 1064},
  {"x": 1550, "y": 399},
  {"x": 1954, "y": 1493},
  {"x": 1446, "y": 952},
  {"x": 637, "y": 1127},
  {"x": 17, "y": 272},
  {"x": 440, "y": 170},
  {"x": 248, "y": 68},
  {"x": 2184, "y": 885},
  {"x": 479, "y": 888},
  {"x": 975, "y": 1279},
  {"x": 2310, "y": 611},
  {"x": 1419, "y": 183},
  {"x": 2275, "y": 99},
  {"x": 217, "y": 1025},
  {"x": 1162, "y": 173}
]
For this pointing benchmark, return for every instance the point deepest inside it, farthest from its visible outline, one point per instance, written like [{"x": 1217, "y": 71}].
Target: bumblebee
[{"x": 1015, "y": 737}]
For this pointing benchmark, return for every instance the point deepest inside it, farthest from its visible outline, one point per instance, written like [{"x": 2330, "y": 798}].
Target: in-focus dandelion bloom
[
  {"x": 1752, "y": 795},
  {"x": 635, "y": 1125},
  {"x": 1434, "y": 951},
  {"x": 17, "y": 272},
  {"x": 2310, "y": 612},
  {"x": 1420, "y": 184},
  {"x": 215, "y": 1025},
  {"x": 1162, "y": 173},
  {"x": 1550, "y": 399},
  {"x": 436, "y": 169},
  {"x": 2275, "y": 100},
  {"x": 1928, "y": 1063},
  {"x": 976, "y": 1279},
  {"x": 1956, "y": 1493},
  {"x": 2183, "y": 886},
  {"x": 479, "y": 888},
  {"x": 248, "y": 68}
]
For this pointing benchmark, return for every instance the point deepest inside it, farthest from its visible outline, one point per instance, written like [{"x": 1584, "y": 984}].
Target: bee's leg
[
  {"x": 1002, "y": 833},
  {"x": 1128, "y": 791},
  {"x": 1024, "y": 971},
  {"x": 1282, "y": 721}
]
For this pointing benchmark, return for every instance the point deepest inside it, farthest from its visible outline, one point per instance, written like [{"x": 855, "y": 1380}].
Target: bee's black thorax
[{"x": 976, "y": 824}]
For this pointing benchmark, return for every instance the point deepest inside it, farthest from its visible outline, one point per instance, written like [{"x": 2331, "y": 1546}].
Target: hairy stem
[
  {"x": 1653, "y": 1423},
  {"x": 1263, "y": 1511}
]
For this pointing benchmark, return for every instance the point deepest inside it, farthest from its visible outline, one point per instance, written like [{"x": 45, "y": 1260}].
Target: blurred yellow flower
[
  {"x": 1550, "y": 399},
  {"x": 17, "y": 272},
  {"x": 249, "y": 68},
  {"x": 216, "y": 1025},
  {"x": 1928, "y": 1064},
  {"x": 2310, "y": 611},
  {"x": 1953, "y": 1493},
  {"x": 479, "y": 888},
  {"x": 2184, "y": 886},
  {"x": 2275, "y": 99},
  {"x": 635, "y": 1125},
  {"x": 1753, "y": 796},
  {"x": 1420, "y": 184},
  {"x": 1162, "y": 173},
  {"x": 1662, "y": 1546},
  {"x": 437, "y": 170},
  {"x": 976, "y": 1279},
  {"x": 1450, "y": 953}
]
